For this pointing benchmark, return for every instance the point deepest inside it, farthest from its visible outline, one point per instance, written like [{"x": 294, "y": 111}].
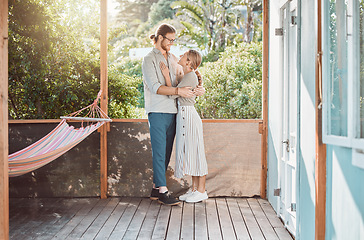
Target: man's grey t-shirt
[{"x": 153, "y": 79}]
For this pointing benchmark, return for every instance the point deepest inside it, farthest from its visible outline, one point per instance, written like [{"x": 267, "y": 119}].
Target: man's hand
[
  {"x": 199, "y": 91},
  {"x": 185, "y": 92}
]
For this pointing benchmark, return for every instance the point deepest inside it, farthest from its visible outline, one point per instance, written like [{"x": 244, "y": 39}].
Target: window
[
  {"x": 343, "y": 75},
  {"x": 338, "y": 70}
]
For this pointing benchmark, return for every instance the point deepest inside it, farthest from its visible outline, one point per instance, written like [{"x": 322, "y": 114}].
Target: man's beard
[{"x": 164, "y": 47}]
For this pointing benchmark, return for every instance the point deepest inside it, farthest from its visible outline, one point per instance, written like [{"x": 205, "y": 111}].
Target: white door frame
[{"x": 288, "y": 177}]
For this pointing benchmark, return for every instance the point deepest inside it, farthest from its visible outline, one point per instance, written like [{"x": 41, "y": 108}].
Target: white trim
[
  {"x": 337, "y": 140},
  {"x": 352, "y": 59},
  {"x": 358, "y": 158},
  {"x": 357, "y": 143}
]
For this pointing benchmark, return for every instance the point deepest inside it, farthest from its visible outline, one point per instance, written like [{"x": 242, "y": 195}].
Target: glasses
[{"x": 170, "y": 40}]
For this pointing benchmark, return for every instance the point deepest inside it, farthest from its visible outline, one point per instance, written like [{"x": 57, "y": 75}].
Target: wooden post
[
  {"x": 320, "y": 160},
  {"x": 4, "y": 181},
  {"x": 263, "y": 175},
  {"x": 104, "y": 98}
]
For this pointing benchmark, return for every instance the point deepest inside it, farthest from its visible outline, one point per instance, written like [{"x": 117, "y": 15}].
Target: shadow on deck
[{"x": 141, "y": 218}]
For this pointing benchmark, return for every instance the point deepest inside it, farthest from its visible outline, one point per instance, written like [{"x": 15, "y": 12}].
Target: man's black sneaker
[
  {"x": 154, "y": 194},
  {"x": 167, "y": 199}
]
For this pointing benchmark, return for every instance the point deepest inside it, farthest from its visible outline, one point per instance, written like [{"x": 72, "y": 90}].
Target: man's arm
[
  {"x": 151, "y": 79},
  {"x": 150, "y": 74},
  {"x": 185, "y": 92}
]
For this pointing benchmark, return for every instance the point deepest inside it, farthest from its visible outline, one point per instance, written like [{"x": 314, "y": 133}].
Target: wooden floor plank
[
  {"x": 147, "y": 228},
  {"x": 138, "y": 219},
  {"x": 250, "y": 221},
  {"x": 200, "y": 221},
  {"x": 187, "y": 227},
  {"x": 174, "y": 226},
  {"x": 71, "y": 207},
  {"x": 75, "y": 220},
  {"x": 37, "y": 215},
  {"x": 100, "y": 220},
  {"x": 270, "y": 213},
  {"x": 27, "y": 211},
  {"x": 49, "y": 219},
  {"x": 86, "y": 222},
  {"x": 161, "y": 225},
  {"x": 226, "y": 224},
  {"x": 262, "y": 220},
  {"x": 141, "y": 218},
  {"x": 241, "y": 230},
  {"x": 283, "y": 233},
  {"x": 213, "y": 224},
  {"x": 124, "y": 221},
  {"x": 111, "y": 222}
]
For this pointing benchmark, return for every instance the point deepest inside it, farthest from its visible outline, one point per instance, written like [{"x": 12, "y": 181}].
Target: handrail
[{"x": 22, "y": 121}]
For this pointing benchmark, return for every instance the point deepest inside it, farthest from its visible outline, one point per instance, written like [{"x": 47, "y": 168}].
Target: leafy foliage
[
  {"x": 233, "y": 84},
  {"x": 131, "y": 10},
  {"x": 160, "y": 11},
  {"x": 54, "y": 64},
  {"x": 213, "y": 24},
  {"x": 124, "y": 95}
]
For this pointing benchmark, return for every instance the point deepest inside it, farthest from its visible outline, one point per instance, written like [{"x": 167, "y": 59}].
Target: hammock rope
[{"x": 60, "y": 140}]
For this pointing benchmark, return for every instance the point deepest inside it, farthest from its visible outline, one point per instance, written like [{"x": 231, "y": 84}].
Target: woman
[{"x": 190, "y": 152}]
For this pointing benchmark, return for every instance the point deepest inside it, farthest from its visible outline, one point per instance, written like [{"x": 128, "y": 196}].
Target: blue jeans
[{"x": 162, "y": 127}]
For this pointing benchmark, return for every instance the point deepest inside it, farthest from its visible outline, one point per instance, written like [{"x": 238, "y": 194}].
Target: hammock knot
[{"x": 98, "y": 98}]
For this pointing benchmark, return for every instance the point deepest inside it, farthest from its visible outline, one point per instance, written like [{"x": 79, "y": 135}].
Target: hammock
[{"x": 58, "y": 141}]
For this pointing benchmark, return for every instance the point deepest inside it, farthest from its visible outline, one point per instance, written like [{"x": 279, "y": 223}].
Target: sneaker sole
[
  {"x": 197, "y": 201},
  {"x": 170, "y": 204},
  {"x": 153, "y": 198}
]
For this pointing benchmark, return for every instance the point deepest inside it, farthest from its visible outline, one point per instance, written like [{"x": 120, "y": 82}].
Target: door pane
[{"x": 338, "y": 69}]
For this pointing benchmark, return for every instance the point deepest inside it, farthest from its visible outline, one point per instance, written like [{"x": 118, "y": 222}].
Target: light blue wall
[
  {"x": 345, "y": 182},
  {"x": 344, "y": 196},
  {"x": 306, "y": 194}
]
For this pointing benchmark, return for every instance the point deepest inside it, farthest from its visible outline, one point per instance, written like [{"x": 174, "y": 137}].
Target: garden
[{"x": 54, "y": 52}]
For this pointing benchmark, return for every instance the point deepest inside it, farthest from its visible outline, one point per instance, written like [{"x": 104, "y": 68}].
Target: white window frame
[{"x": 352, "y": 139}]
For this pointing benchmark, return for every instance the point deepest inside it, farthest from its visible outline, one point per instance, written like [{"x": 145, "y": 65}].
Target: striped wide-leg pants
[{"x": 190, "y": 150}]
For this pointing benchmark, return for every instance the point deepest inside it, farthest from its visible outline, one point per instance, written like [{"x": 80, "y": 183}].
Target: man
[{"x": 161, "y": 109}]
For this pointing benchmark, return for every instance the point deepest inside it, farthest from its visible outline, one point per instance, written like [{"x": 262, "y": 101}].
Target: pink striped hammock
[{"x": 58, "y": 141}]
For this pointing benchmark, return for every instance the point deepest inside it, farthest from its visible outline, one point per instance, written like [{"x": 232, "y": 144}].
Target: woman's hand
[
  {"x": 185, "y": 92},
  {"x": 165, "y": 73},
  {"x": 199, "y": 91}
]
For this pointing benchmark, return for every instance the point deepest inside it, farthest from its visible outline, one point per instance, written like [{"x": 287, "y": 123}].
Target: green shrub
[
  {"x": 233, "y": 84},
  {"x": 124, "y": 95}
]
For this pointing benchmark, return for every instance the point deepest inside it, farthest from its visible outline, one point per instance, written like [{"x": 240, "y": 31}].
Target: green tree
[
  {"x": 208, "y": 23},
  {"x": 254, "y": 9},
  {"x": 54, "y": 63},
  {"x": 233, "y": 84},
  {"x": 134, "y": 12},
  {"x": 215, "y": 24},
  {"x": 160, "y": 11}
]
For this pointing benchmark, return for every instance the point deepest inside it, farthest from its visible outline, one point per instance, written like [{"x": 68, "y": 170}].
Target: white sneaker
[
  {"x": 184, "y": 196},
  {"x": 197, "y": 197}
]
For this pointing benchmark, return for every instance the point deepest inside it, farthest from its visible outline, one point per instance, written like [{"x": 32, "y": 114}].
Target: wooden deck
[{"x": 141, "y": 218}]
